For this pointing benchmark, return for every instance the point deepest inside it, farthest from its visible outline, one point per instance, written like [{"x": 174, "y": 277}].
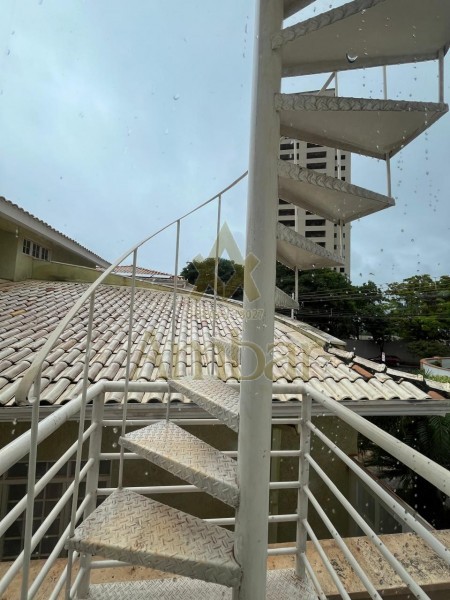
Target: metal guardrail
[{"x": 89, "y": 472}]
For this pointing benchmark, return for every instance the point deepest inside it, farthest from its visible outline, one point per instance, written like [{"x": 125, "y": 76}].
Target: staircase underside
[
  {"x": 344, "y": 38},
  {"x": 294, "y": 250},
  {"x": 328, "y": 197},
  {"x": 366, "y": 126},
  {"x": 281, "y": 585}
]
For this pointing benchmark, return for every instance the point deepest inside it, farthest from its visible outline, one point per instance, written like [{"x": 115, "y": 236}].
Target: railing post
[
  {"x": 81, "y": 424},
  {"x": 174, "y": 313},
  {"x": 216, "y": 277},
  {"x": 95, "y": 446},
  {"x": 35, "y": 400},
  {"x": 127, "y": 369},
  {"x": 251, "y": 531},
  {"x": 302, "y": 502}
]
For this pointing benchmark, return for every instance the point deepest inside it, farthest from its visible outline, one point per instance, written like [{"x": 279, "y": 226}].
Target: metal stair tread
[
  {"x": 295, "y": 250},
  {"x": 363, "y": 125},
  {"x": 283, "y": 300},
  {"x": 326, "y": 196},
  {"x": 373, "y": 32},
  {"x": 141, "y": 531},
  {"x": 184, "y": 455},
  {"x": 282, "y": 584},
  {"x": 213, "y": 395}
]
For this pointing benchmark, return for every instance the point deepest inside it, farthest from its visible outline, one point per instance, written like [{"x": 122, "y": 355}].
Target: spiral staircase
[{"x": 210, "y": 561}]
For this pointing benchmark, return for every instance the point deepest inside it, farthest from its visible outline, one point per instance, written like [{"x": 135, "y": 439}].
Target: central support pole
[{"x": 259, "y": 301}]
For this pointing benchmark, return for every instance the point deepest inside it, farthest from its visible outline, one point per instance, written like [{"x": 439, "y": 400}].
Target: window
[
  {"x": 319, "y": 234},
  {"x": 288, "y": 223},
  {"x": 287, "y": 146},
  {"x": 341, "y": 270},
  {"x": 308, "y": 145},
  {"x": 315, "y": 222},
  {"x": 26, "y": 248},
  {"x": 321, "y": 244},
  {"x": 13, "y": 486},
  {"x": 35, "y": 250},
  {"x": 308, "y": 213},
  {"x": 321, "y": 154},
  {"x": 320, "y": 165},
  {"x": 286, "y": 211},
  {"x": 342, "y": 168},
  {"x": 287, "y": 157}
]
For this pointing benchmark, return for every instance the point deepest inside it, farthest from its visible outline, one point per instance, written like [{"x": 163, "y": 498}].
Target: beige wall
[
  {"x": 8, "y": 252},
  {"x": 17, "y": 266}
]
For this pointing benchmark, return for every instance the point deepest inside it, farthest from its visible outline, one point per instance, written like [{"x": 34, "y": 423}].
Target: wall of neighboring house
[
  {"x": 18, "y": 265},
  {"x": 8, "y": 252}
]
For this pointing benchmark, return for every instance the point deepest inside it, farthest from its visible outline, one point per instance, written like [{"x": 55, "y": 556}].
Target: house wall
[
  {"x": 8, "y": 251},
  {"x": 17, "y": 266}
]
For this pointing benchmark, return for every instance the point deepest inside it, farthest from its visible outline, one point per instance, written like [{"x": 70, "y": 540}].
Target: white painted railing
[{"x": 92, "y": 434}]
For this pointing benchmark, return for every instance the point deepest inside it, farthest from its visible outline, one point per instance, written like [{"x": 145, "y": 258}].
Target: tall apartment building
[{"x": 317, "y": 229}]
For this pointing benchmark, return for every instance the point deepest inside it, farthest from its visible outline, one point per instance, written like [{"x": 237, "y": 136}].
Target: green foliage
[
  {"x": 416, "y": 309},
  {"x": 419, "y": 308},
  {"x": 429, "y": 436},
  {"x": 330, "y": 302},
  {"x": 201, "y": 273}
]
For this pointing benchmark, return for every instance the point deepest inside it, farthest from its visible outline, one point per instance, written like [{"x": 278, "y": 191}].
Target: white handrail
[{"x": 31, "y": 373}]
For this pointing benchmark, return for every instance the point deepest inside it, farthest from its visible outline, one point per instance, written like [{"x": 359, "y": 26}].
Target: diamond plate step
[
  {"x": 326, "y": 196},
  {"x": 213, "y": 395},
  {"x": 282, "y": 584},
  {"x": 364, "y": 33},
  {"x": 363, "y": 125},
  {"x": 140, "y": 531},
  {"x": 182, "y": 454}
]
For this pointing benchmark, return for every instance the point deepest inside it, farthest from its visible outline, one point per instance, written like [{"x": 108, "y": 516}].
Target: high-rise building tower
[{"x": 317, "y": 229}]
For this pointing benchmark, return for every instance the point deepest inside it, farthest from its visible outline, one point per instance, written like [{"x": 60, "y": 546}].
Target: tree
[
  {"x": 419, "y": 308},
  {"x": 201, "y": 273}
]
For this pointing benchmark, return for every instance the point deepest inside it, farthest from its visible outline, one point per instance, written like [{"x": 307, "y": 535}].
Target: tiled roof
[
  {"x": 30, "y": 310},
  {"x": 128, "y": 270},
  {"x": 17, "y": 214}
]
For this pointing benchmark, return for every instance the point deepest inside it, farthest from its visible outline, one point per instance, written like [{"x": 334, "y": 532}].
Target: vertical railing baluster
[
  {"x": 128, "y": 364},
  {"x": 95, "y": 447},
  {"x": 388, "y": 175},
  {"x": 35, "y": 401},
  {"x": 80, "y": 438},
  {"x": 385, "y": 85},
  {"x": 302, "y": 503},
  {"x": 174, "y": 316},
  {"x": 441, "y": 75},
  {"x": 216, "y": 278}
]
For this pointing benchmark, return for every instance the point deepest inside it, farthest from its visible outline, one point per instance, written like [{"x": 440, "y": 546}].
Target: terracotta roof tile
[{"x": 296, "y": 356}]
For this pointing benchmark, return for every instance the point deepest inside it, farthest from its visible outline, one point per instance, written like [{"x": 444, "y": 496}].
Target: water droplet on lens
[{"x": 351, "y": 57}]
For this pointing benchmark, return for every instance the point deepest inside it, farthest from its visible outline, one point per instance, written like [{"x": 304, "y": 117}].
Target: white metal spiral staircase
[{"x": 131, "y": 528}]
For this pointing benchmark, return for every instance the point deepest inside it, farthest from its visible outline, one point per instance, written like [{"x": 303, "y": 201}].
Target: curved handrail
[{"x": 34, "y": 369}]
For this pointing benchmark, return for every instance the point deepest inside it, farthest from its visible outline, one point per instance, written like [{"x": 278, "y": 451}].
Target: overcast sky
[{"x": 117, "y": 117}]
